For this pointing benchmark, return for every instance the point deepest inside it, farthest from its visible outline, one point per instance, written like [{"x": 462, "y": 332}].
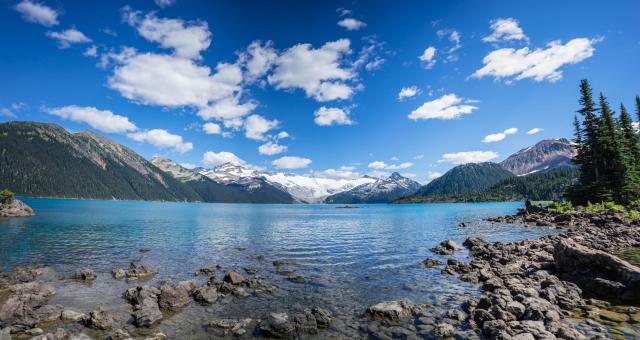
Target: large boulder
[
  {"x": 144, "y": 299},
  {"x": 391, "y": 310},
  {"x": 173, "y": 297},
  {"x": 100, "y": 319},
  {"x": 16, "y": 208},
  {"x": 597, "y": 273}
]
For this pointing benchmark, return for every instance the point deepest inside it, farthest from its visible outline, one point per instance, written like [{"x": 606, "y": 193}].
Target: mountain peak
[
  {"x": 395, "y": 176},
  {"x": 545, "y": 155}
]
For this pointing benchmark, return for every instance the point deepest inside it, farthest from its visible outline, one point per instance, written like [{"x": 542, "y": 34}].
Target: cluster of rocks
[
  {"x": 532, "y": 288},
  {"x": 280, "y": 326},
  {"x": 137, "y": 270},
  {"x": 16, "y": 208}
]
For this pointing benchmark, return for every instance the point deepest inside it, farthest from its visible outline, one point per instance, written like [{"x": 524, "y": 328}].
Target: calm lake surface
[{"x": 350, "y": 258}]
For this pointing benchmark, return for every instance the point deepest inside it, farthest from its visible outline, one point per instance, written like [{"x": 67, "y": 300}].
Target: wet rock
[
  {"x": 446, "y": 247},
  {"x": 100, "y": 319},
  {"x": 240, "y": 292},
  {"x": 323, "y": 317},
  {"x": 391, "y": 310},
  {"x": 250, "y": 271},
  {"x": 20, "y": 309},
  {"x": 119, "y": 273},
  {"x": 85, "y": 275},
  {"x": 119, "y": 334},
  {"x": 5, "y": 333},
  {"x": 305, "y": 322},
  {"x": 157, "y": 336},
  {"x": 278, "y": 326},
  {"x": 208, "y": 270},
  {"x": 69, "y": 315},
  {"x": 206, "y": 294},
  {"x": 597, "y": 272},
  {"x": 430, "y": 263},
  {"x": 138, "y": 269},
  {"x": 144, "y": 299},
  {"x": 234, "y": 326},
  {"x": 234, "y": 278},
  {"x": 59, "y": 334},
  {"x": 174, "y": 297},
  {"x": 48, "y": 313},
  {"x": 296, "y": 278},
  {"x": 444, "y": 330}
]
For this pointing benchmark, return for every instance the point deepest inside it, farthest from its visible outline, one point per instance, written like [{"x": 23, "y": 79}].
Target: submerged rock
[
  {"x": 85, "y": 275},
  {"x": 277, "y": 326},
  {"x": 173, "y": 297},
  {"x": 144, "y": 299},
  {"x": 430, "y": 263},
  {"x": 137, "y": 270},
  {"x": 206, "y": 294},
  {"x": 234, "y": 278},
  {"x": 446, "y": 247},
  {"x": 100, "y": 319}
]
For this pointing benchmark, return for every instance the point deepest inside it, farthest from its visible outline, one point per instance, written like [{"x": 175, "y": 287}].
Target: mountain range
[{"x": 39, "y": 159}]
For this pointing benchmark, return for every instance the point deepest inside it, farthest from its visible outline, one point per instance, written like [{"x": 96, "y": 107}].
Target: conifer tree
[
  {"x": 609, "y": 161},
  {"x": 630, "y": 152}
]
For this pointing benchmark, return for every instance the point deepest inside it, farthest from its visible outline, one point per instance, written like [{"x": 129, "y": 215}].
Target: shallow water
[{"x": 350, "y": 258}]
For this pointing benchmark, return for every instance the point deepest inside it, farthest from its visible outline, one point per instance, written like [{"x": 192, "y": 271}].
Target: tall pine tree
[
  {"x": 609, "y": 156},
  {"x": 630, "y": 152}
]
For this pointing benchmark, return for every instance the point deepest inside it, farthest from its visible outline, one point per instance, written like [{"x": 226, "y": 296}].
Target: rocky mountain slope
[
  {"x": 255, "y": 191},
  {"x": 380, "y": 191},
  {"x": 466, "y": 178},
  {"x": 544, "y": 155},
  {"x": 38, "y": 159},
  {"x": 305, "y": 189}
]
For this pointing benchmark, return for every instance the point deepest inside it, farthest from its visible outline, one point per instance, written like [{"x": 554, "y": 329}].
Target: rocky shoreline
[
  {"x": 560, "y": 286},
  {"x": 16, "y": 208}
]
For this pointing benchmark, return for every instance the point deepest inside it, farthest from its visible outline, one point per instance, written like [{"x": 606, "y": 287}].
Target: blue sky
[{"x": 315, "y": 86}]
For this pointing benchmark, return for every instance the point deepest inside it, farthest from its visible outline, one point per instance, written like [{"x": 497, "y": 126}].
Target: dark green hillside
[
  {"x": 466, "y": 178},
  {"x": 38, "y": 159}
]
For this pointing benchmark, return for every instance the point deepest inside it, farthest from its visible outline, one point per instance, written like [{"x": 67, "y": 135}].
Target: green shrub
[
  {"x": 6, "y": 196},
  {"x": 561, "y": 207}
]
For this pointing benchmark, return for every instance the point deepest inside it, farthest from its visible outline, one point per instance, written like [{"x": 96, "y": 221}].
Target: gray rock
[
  {"x": 174, "y": 297},
  {"x": 444, "y": 330},
  {"x": 85, "y": 275},
  {"x": 100, "y": 319},
  {"x": 144, "y": 299},
  {"x": 277, "y": 326},
  {"x": 391, "y": 310},
  {"x": 69, "y": 315},
  {"x": 206, "y": 294},
  {"x": 234, "y": 278},
  {"x": 323, "y": 317}
]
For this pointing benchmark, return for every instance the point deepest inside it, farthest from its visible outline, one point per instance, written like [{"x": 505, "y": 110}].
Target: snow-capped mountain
[
  {"x": 379, "y": 191},
  {"x": 303, "y": 188},
  {"x": 546, "y": 154}
]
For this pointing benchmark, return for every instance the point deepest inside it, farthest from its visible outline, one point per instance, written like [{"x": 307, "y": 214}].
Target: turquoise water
[{"x": 351, "y": 258}]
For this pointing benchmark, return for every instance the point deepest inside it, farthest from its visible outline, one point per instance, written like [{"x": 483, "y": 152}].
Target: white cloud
[
  {"x": 446, "y": 107},
  {"x": 505, "y": 30},
  {"x": 255, "y": 126},
  {"x": 344, "y": 172},
  {"x": 418, "y": 157},
  {"x": 282, "y": 135},
  {"x": 188, "y": 165},
  {"x": 167, "y": 80},
  {"x": 496, "y": 137},
  {"x": 468, "y": 157},
  {"x": 211, "y": 128},
  {"x": 379, "y": 165},
  {"x": 68, "y": 37},
  {"x": 162, "y": 139},
  {"x": 92, "y": 51},
  {"x": 351, "y": 24},
  {"x": 259, "y": 59},
  {"x": 344, "y": 11},
  {"x": 227, "y": 108},
  {"x": 37, "y": 13},
  {"x": 327, "y": 116},
  {"x": 428, "y": 57},
  {"x": 102, "y": 120},
  {"x": 539, "y": 64},
  {"x": 165, "y": 3},
  {"x": 408, "y": 92},
  {"x": 534, "y": 131},
  {"x": 271, "y": 148},
  {"x": 6, "y": 113},
  {"x": 454, "y": 37},
  {"x": 317, "y": 71},
  {"x": 290, "y": 162},
  {"x": 211, "y": 158},
  {"x": 186, "y": 39},
  {"x": 431, "y": 175}
]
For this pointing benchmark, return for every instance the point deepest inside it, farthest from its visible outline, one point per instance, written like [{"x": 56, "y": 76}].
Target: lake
[{"x": 350, "y": 258}]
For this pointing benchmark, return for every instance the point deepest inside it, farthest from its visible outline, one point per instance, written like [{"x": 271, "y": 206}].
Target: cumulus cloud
[
  {"x": 68, "y": 37},
  {"x": 101, "y": 120},
  {"x": 540, "y": 63},
  {"x": 327, "y": 116},
  {"x": 408, "y": 92},
  {"x": 186, "y": 39},
  {"x": 211, "y": 128},
  {"x": 428, "y": 57},
  {"x": 351, "y": 24},
  {"x": 449, "y": 106},
  {"x": 468, "y": 157},
  {"x": 227, "y": 108},
  {"x": 344, "y": 172},
  {"x": 319, "y": 72},
  {"x": 290, "y": 162},
  {"x": 271, "y": 148},
  {"x": 379, "y": 165},
  {"x": 162, "y": 139},
  {"x": 37, "y": 13},
  {"x": 534, "y": 131},
  {"x": 255, "y": 127},
  {"x": 505, "y": 30},
  {"x": 211, "y": 158},
  {"x": 496, "y": 137},
  {"x": 167, "y": 80},
  {"x": 282, "y": 135},
  {"x": 259, "y": 59},
  {"x": 92, "y": 51}
]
